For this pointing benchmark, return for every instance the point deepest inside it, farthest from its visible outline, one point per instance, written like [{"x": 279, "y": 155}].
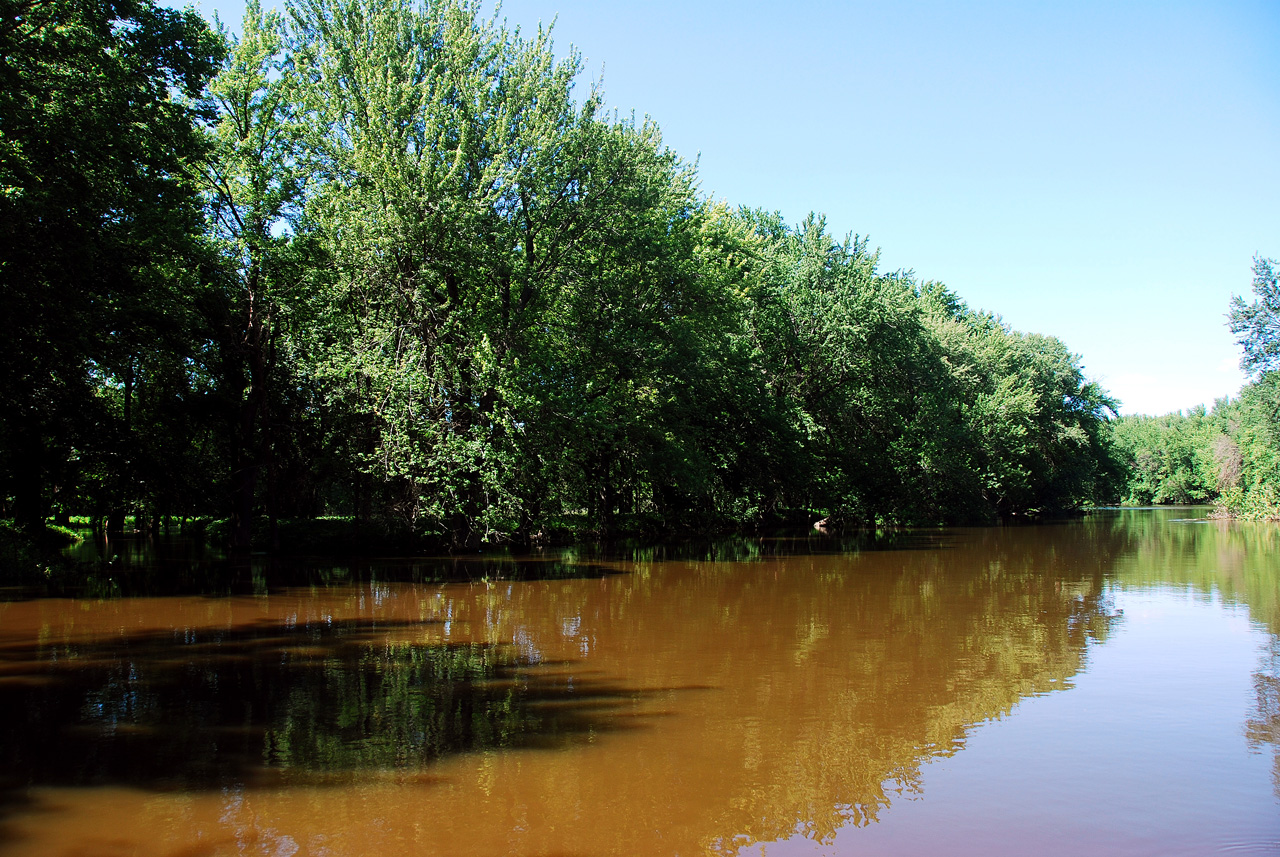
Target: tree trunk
[
  {"x": 244, "y": 476},
  {"x": 606, "y": 495},
  {"x": 115, "y": 523},
  {"x": 29, "y": 504},
  {"x": 243, "y": 482}
]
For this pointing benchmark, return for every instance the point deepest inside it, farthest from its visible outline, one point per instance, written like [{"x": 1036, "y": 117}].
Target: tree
[
  {"x": 484, "y": 228},
  {"x": 97, "y": 223},
  {"x": 622, "y": 365},
  {"x": 253, "y": 183},
  {"x": 1257, "y": 324},
  {"x": 1254, "y": 419},
  {"x": 1176, "y": 458}
]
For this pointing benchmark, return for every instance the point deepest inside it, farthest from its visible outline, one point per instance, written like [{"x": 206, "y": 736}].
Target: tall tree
[
  {"x": 1255, "y": 417},
  {"x": 96, "y": 220},
  {"x": 467, "y": 197},
  {"x": 1257, "y": 324},
  {"x": 253, "y": 182}
]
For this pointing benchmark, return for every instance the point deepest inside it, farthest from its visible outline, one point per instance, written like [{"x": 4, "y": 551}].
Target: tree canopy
[
  {"x": 99, "y": 233},
  {"x": 1257, "y": 324},
  {"x": 382, "y": 261}
]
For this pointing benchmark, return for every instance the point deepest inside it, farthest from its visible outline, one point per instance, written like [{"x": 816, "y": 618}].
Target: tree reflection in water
[
  {"x": 832, "y": 676},
  {"x": 1264, "y": 723},
  {"x": 277, "y": 703},
  {"x": 1232, "y": 560}
]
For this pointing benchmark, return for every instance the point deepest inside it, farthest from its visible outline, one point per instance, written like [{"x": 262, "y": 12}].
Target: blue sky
[{"x": 1102, "y": 172}]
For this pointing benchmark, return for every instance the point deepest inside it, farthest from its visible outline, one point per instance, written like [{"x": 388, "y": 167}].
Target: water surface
[{"x": 1108, "y": 686}]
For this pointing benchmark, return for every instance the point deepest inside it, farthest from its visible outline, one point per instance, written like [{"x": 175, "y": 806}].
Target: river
[{"x": 1104, "y": 686}]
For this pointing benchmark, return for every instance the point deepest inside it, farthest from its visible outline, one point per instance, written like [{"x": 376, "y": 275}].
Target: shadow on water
[
  {"x": 137, "y": 566},
  {"x": 274, "y": 704}
]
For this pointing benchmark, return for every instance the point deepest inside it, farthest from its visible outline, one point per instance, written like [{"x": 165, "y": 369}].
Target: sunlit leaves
[{"x": 1257, "y": 324}]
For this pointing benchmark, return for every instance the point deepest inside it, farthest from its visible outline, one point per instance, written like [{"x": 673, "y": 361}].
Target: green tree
[
  {"x": 1174, "y": 458},
  {"x": 454, "y": 164},
  {"x": 1033, "y": 431},
  {"x": 96, "y": 226},
  {"x": 1254, "y": 420},
  {"x": 1249, "y": 463},
  {"x": 1257, "y": 324},
  {"x": 488, "y": 233},
  {"x": 253, "y": 183},
  {"x": 609, "y": 370},
  {"x": 1233, "y": 453}
]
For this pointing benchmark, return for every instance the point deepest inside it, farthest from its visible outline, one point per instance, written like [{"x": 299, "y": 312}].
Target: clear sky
[{"x": 1100, "y": 171}]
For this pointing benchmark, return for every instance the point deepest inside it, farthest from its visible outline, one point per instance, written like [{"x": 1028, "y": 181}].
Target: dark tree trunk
[
  {"x": 243, "y": 483},
  {"x": 244, "y": 473},
  {"x": 272, "y": 499},
  {"x": 244, "y": 476},
  {"x": 606, "y": 498},
  {"x": 29, "y": 503}
]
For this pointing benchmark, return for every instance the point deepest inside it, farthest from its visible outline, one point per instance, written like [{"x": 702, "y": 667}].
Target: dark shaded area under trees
[{"x": 373, "y": 269}]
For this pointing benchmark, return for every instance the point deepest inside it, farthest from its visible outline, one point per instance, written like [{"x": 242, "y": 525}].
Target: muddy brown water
[{"x": 1105, "y": 686}]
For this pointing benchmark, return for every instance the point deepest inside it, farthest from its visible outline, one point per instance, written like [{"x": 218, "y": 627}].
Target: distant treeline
[
  {"x": 378, "y": 260},
  {"x": 1229, "y": 456}
]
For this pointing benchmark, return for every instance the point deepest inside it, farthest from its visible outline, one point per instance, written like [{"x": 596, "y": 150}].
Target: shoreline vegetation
[
  {"x": 1228, "y": 455},
  {"x": 381, "y": 267}
]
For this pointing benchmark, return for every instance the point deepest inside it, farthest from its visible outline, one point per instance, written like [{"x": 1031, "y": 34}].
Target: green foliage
[
  {"x": 264, "y": 299},
  {"x": 1252, "y": 460},
  {"x": 1171, "y": 459},
  {"x": 1255, "y": 418},
  {"x": 386, "y": 265},
  {"x": 33, "y": 558},
  {"x": 1257, "y": 324},
  {"x": 1231, "y": 455},
  {"x": 459, "y": 178},
  {"x": 97, "y": 229},
  {"x": 1035, "y": 430}
]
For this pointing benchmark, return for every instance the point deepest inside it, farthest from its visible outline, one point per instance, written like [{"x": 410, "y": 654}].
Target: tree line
[
  {"x": 1228, "y": 455},
  {"x": 382, "y": 262}
]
